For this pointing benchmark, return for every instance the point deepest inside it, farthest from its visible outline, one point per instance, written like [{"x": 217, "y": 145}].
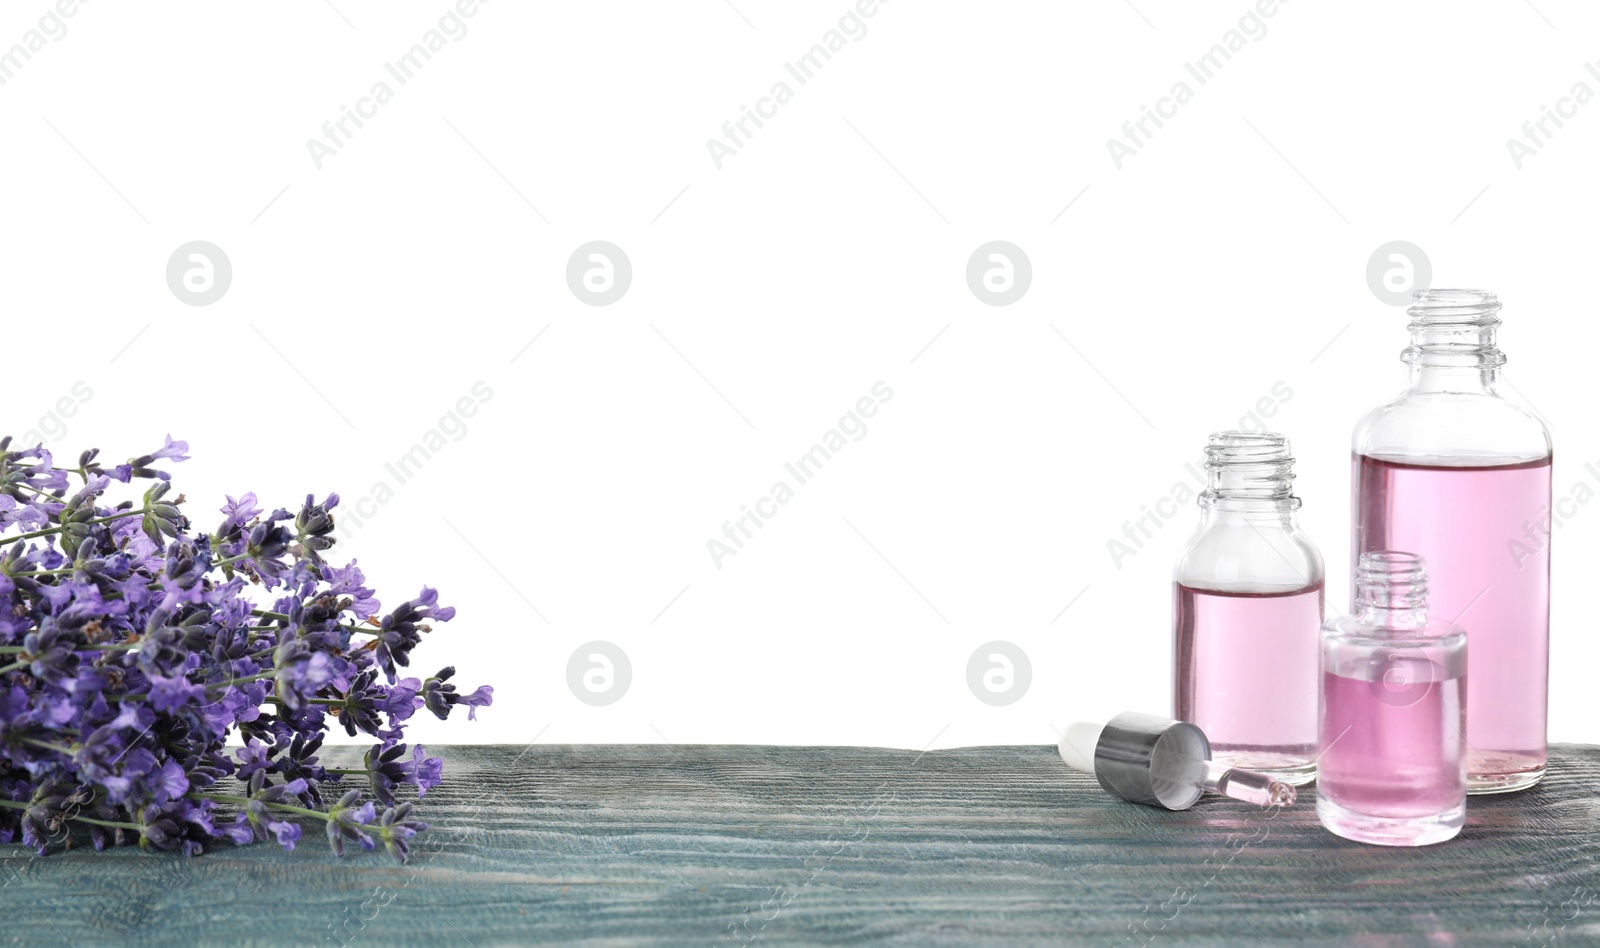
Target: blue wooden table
[{"x": 708, "y": 845}]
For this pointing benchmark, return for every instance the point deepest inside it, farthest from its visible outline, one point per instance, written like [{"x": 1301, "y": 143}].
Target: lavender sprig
[{"x": 132, "y": 652}]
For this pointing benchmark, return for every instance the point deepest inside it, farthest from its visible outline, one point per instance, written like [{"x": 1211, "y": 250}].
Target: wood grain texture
[{"x": 838, "y": 845}]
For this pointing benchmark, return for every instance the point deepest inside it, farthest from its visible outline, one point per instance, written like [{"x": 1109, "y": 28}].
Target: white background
[{"x": 828, "y": 254}]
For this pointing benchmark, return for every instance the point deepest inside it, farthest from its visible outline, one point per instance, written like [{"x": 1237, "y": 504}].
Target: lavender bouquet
[{"x": 131, "y": 653}]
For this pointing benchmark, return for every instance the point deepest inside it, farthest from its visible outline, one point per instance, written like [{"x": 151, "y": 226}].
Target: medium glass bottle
[
  {"x": 1393, "y": 764},
  {"x": 1453, "y": 472},
  {"x": 1247, "y": 604}
]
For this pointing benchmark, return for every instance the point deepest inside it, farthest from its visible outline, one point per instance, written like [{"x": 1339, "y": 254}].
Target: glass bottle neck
[
  {"x": 1249, "y": 477},
  {"x": 1391, "y": 590},
  {"x": 1453, "y": 342},
  {"x": 1257, "y": 514},
  {"x": 1380, "y": 617},
  {"x": 1439, "y": 379}
]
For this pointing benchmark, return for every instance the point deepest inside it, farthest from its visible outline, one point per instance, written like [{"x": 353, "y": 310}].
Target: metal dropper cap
[{"x": 1143, "y": 758}]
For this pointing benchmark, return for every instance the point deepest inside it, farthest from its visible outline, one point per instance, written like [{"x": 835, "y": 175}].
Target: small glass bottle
[
  {"x": 1247, "y": 604},
  {"x": 1453, "y": 472},
  {"x": 1393, "y": 767}
]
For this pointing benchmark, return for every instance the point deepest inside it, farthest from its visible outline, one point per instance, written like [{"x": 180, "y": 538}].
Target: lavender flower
[
  {"x": 440, "y": 697},
  {"x": 171, "y": 826},
  {"x": 50, "y": 651},
  {"x": 426, "y": 772},
  {"x": 396, "y": 828},
  {"x": 131, "y": 654},
  {"x": 350, "y": 583},
  {"x": 313, "y": 524},
  {"x": 237, "y": 513},
  {"x": 362, "y": 703},
  {"x": 402, "y": 630},
  {"x": 347, "y": 820},
  {"x": 388, "y": 769}
]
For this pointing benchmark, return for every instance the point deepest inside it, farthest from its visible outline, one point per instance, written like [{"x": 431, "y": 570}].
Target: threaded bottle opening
[
  {"x": 1248, "y": 465},
  {"x": 1453, "y": 328},
  {"x": 1389, "y": 579},
  {"x": 1442, "y": 306}
]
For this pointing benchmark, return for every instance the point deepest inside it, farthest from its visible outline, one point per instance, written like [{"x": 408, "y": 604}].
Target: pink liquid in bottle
[
  {"x": 1471, "y": 526},
  {"x": 1393, "y": 770},
  {"x": 1246, "y": 673}
]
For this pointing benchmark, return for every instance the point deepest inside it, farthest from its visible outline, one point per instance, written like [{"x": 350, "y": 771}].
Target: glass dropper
[
  {"x": 1249, "y": 786},
  {"x": 1157, "y": 761}
]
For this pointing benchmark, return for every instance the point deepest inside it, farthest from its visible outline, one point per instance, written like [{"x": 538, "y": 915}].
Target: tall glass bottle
[
  {"x": 1247, "y": 607},
  {"x": 1453, "y": 472}
]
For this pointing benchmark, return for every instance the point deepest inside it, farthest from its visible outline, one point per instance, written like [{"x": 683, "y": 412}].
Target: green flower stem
[
  {"x": 283, "y": 807},
  {"x": 262, "y": 613},
  {"x": 114, "y": 647},
  {"x": 14, "y": 666},
  {"x": 131, "y": 826},
  {"x": 331, "y": 702},
  {"x": 237, "y": 681},
  {"x": 44, "y": 533},
  {"x": 230, "y": 798},
  {"x": 19, "y": 805},
  {"x": 69, "y": 569},
  {"x": 52, "y": 498},
  {"x": 58, "y": 748}
]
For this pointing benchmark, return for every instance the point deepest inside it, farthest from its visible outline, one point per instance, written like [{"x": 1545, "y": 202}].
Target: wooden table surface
[{"x": 838, "y": 845}]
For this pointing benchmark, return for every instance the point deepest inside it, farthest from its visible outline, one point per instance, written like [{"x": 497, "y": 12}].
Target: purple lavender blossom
[
  {"x": 347, "y": 820},
  {"x": 440, "y": 697},
  {"x": 253, "y": 757},
  {"x": 172, "y": 451},
  {"x": 350, "y": 582},
  {"x": 237, "y": 513},
  {"x": 286, "y": 833},
  {"x": 132, "y": 654},
  {"x": 168, "y": 694},
  {"x": 396, "y": 828},
  {"x": 426, "y": 772}
]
